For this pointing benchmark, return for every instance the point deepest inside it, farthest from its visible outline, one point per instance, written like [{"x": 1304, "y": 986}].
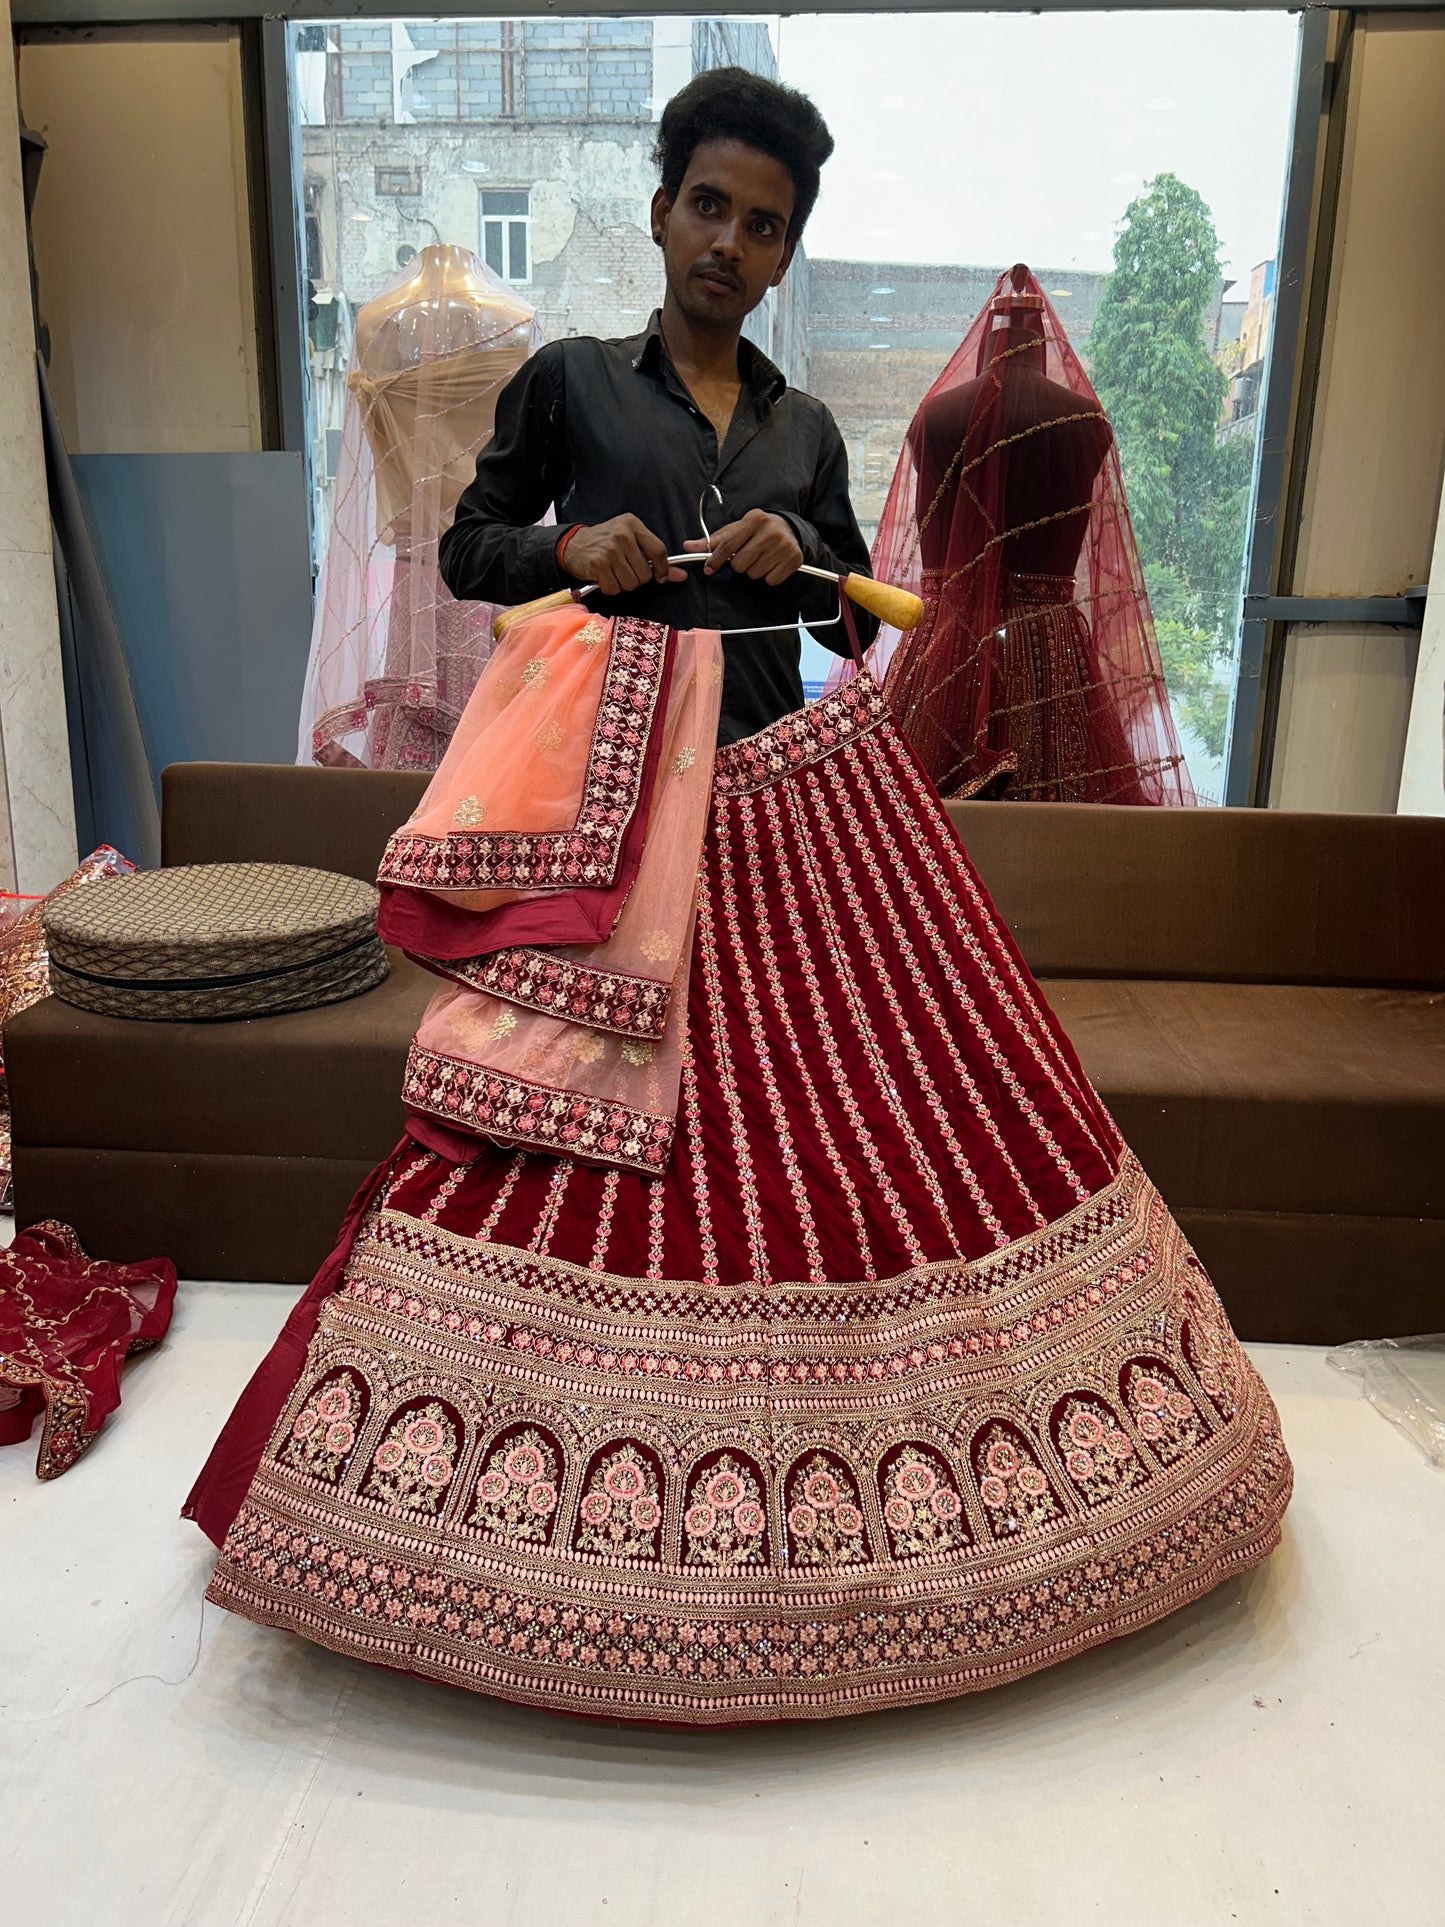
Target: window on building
[{"x": 507, "y": 232}]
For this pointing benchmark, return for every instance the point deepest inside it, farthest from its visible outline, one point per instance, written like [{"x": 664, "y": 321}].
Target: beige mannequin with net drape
[{"x": 393, "y": 657}]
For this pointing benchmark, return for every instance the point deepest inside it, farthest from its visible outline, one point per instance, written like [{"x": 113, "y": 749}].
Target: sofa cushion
[
  {"x": 1241, "y": 896},
  {"x": 311, "y": 1083},
  {"x": 1271, "y": 1097}
]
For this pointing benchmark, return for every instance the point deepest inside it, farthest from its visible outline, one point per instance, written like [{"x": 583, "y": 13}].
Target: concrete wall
[
  {"x": 37, "y": 818},
  {"x": 142, "y": 238},
  {"x": 1377, "y": 447}
]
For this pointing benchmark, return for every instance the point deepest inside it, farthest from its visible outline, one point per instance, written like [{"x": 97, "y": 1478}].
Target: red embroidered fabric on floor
[
  {"x": 900, "y": 1381},
  {"x": 66, "y": 1324}
]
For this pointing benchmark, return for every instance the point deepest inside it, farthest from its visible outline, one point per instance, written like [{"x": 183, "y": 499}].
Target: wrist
[{"x": 560, "y": 551}]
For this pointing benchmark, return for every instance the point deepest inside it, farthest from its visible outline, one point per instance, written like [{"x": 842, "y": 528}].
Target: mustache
[{"x": 719, "y": 274}]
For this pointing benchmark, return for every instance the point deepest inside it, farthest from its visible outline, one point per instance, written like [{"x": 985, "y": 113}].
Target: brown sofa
[{"x": 1260, "y": 998}]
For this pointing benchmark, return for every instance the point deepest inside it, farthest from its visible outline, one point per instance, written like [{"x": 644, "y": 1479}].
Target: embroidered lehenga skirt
[{"x": 890, "y": 1377}]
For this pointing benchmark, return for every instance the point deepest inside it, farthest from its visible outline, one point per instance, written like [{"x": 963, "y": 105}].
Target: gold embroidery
[
  {"x": 657, "y": 947},
  {"x": 534, "y": 676},
  {"x": 468, "y": 814},
  {"x": 504, "y": 1023},
  {"x": 588, "y": 1048},
  {"x": 684, "y": 760},
  {"x": 549, "y": 736},
  {"x": 635, "y": 1052},
  {"x": 593, "y": 631}
]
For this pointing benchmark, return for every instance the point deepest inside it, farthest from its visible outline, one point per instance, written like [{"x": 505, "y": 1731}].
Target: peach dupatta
[{"x": 573, "y": 799}]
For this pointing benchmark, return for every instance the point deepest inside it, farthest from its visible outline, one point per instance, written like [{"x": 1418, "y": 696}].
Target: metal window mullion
[{"x": 1286, "y": 405}]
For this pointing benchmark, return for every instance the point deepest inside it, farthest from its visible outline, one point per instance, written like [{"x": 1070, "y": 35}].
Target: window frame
[
  {"x": 506, "y": 225},
  {"x": 274, "y": 172}
]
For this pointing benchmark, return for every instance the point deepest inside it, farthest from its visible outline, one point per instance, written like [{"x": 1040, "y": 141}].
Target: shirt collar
[{"x": 764, "y": 381}]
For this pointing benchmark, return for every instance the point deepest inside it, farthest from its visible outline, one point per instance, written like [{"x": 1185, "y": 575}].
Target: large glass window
[{"x": 1134, "y": 161}]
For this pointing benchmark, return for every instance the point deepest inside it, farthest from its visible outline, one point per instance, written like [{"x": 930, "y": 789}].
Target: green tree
[
  {"x": 1188, "y": 494},
  {"x": 1192, "y": 657}
]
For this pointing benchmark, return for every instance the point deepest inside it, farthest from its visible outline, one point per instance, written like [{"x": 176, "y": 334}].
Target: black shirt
[{"x": 604, "y": 428}]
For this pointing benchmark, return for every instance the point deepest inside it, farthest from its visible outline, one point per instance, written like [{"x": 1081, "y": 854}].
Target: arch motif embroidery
[
  {"x": 323, "y": 1434},
  {"x": 1164, "y": 1414},
  {"x": 725, "y": 1515},
  {"x": 1097, "y": 1452},
  {"x": 1208, "y": 1345},
  {"x": 621, "y": 1509},
  {"x": 413, "y": 1466},
  {"x": 825, "y": 1520},
  {"x": 516, "y": 1495},
  {"x": 922, "y": 1506},
  {"x": 1015, "y": 1490}
]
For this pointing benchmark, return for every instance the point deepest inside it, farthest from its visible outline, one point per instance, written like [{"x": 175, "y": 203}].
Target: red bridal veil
[{"x": 1035, "y": 673}]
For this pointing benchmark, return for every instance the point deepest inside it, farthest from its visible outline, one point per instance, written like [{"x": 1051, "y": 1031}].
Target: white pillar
[
  {"x": 1422, "y": 780},
  {"x": 37, "y": 839}
]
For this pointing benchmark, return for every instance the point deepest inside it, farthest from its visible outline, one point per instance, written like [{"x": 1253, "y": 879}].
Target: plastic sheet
[{"x": 1403, "y": 1378}]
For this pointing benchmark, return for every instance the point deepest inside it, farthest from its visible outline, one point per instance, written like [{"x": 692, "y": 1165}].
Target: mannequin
[
  {"x": 1035, "y": 674},
  {"x": 394, "y": 658},
  {"x": 1050, "y": 474},
  {"x": 448, "y": 310}
]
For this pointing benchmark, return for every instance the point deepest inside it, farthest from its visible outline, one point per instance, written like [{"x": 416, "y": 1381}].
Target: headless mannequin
[
  {"x": 431, "y": 356},
  {"x": 1047, "y": 472},
  {"x": 446, "y": 312}
]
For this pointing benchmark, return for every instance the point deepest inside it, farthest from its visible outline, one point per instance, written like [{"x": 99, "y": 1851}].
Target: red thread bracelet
[{"x": 563, "y": 540}]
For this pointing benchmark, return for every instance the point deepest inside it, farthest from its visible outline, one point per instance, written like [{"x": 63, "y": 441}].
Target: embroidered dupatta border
[
  {"x": 534, "y": 1117},
  {"x": 580, "y": 993},
  {"x": 587, "y": 854}
]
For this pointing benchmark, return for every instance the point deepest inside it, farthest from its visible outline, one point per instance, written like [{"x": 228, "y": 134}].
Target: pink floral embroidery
[
  {"x": 621, "y": 1510},
  {"x": 921, "y": 1504},
  {"x": 1163, "y": 1412},
  {"x": 1098, "y": 1454},
  {"x": 800, "y": 739},
  {"x": 563, "y": 1123},
  {"x": 1013, "y": 1487},
  {"x": 557, "y": 987},
  {"x": 517, "y": 1492},
  {"x": 470, "y": 858},
  {"x": 413, "y": 1465},
  {"x": 725, "y": 1521},
  {"x": 825, "y": 1521},
  {"x": 323, "y": 1432}
]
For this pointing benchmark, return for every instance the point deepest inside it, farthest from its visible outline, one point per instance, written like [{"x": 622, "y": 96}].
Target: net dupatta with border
[
  {"x": 393, "y": 656},
  {"x": 550, "y": 875},
  {"x": 1035, "y": 672}
]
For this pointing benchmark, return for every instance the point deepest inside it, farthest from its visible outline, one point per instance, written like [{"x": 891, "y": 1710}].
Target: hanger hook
[{"x": 711, "y": 489}]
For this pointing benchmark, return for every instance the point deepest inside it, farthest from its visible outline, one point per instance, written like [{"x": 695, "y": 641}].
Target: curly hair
[{"x": 731, "y": 104}]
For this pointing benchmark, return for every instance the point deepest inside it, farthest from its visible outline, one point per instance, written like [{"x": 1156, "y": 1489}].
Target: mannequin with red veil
[{"x": 1035, "y": 674}]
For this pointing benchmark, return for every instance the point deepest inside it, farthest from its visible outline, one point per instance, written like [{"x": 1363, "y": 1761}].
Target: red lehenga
[
  {"x": 1035, "y": 673},
  {"x": 856, "y": 1366}
]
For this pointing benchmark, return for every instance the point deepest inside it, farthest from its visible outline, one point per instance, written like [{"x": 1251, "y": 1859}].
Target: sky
[{"x": 984, "y": 139}]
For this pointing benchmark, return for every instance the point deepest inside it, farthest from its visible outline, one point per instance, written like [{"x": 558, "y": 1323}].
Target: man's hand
[
  {"x": 619, "y": 556},
  {"x": 759, "y": 545}
]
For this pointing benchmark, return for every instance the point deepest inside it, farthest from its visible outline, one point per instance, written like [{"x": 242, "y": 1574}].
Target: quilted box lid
[{"x": 209, "y": 922}]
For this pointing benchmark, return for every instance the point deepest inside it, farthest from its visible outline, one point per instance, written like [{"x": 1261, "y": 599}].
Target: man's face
[{"x": 725, "y": 238}]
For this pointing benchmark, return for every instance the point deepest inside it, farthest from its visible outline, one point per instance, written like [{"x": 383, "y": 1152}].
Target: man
[{"x": 636, "y": 442}]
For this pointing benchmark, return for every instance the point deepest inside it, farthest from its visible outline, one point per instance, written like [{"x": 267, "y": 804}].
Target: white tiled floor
[{"x": 1271, "y": 1755}]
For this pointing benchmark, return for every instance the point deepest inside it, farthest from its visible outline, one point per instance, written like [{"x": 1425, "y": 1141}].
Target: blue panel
[{"x": 206, "y": 560}]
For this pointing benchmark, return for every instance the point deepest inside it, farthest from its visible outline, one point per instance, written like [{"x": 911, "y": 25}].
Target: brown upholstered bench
[
  {"x": 233, "y": 1148},
  {"x": 1260, "y": 998}
]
